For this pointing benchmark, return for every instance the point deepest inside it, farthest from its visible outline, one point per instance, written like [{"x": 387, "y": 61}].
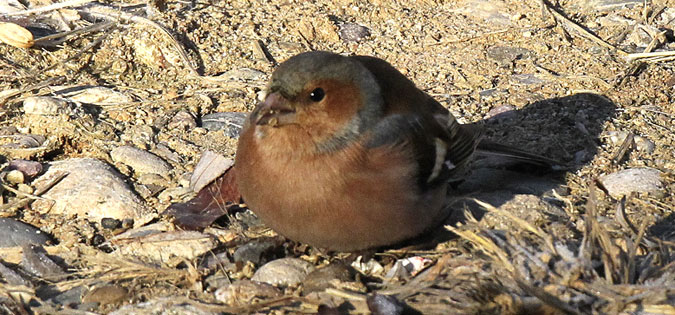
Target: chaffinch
[{"x": 346, "y": 153}]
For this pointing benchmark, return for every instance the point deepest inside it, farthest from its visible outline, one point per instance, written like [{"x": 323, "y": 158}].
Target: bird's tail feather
[{"x": 490, "y": 148}]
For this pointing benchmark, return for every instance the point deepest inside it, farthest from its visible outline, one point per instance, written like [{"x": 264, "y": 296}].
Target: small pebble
[
  {"x": 380, "y": 304},
  {"x": 15, "y": 177},
  {"x": 283, "y": 272},
  {"x": 244, "y": 291},
  {"x": 183, "y": 120},
  {"x": 97, "y": 240},
  {"x": 350, "y": 32},
  {"x": 104, "y": 295},
  {"x": 110, "y": 223},
  {"x": 325, "y": 277},
  {"x": 140, "y": 160},
  {"x": 28, "y": 168},
  {"x": 632, "y": 180},
  {"x": 231, "y": 122},
  {"x": 643, "y": 144}
]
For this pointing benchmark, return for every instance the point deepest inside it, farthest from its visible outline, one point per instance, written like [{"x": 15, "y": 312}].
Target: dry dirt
[{"x": 568, "y": 91}]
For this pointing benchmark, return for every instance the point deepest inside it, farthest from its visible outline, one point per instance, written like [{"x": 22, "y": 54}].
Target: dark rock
[
  {"x": 254, "y": 251},
  {"x": 350, "y": 32},
  {"x": 380, "y": 304},
  {"x": 16, "y": 233}
]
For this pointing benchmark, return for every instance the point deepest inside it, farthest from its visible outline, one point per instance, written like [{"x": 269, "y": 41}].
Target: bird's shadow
[{"x": 566, "y": 129}]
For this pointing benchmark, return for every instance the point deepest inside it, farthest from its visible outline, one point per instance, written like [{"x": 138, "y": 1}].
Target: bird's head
[{"x": 331, "y": 97}]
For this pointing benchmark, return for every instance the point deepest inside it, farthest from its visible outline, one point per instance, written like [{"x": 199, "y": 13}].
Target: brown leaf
[{"x": 211, "y": 203}]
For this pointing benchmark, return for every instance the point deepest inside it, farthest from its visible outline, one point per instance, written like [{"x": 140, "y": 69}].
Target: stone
[
  {"x": 283, "y": 272},
  {"x": 230, "y": 122},
  {"x": 45, "y": 106},
  {"x": 351, "y": 32},
  {"x": 140, "y": 160},
  {"x": 91, "y": 188},
  {"x": 244, "y": 291},
  {"x": 16, "y": 233},
  {"x": 632, "y": 180}
]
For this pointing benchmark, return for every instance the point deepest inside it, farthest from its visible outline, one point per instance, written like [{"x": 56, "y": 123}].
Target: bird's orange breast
[{"x": 352, "y": 199}]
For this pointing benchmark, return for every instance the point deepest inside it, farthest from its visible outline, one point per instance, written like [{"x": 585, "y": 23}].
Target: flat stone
[
  {"x": 140, "y": 160},
  {"x": 91, "y": 188},
  {"x": 97, "y": 95},
  {"x": 507, "y": 55},
  {"x": 45, "y": 106},
  {"x": 245, "y": 291},
  {"x": 16, "y": 233},
  {"x": 36, "y": 262},
  {"x": 12, "y": 277},
  {"x": 326, "y": 277},
  {"x": 283, "y": 272},
  {"x": 163, "y": 305},
  {"x": 106, "y": 294},
  {"x": 167, "y": 248},
  {"x": 632, "y": 180},
  {"x": 231, "y": 122},
  {"x": 211, "y": 165}
]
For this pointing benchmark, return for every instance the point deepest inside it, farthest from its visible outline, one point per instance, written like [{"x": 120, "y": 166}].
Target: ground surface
[{"x": 568, "y": 94}]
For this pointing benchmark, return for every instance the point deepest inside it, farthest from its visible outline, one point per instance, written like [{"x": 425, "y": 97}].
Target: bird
[{"x": 346, "y": 153}]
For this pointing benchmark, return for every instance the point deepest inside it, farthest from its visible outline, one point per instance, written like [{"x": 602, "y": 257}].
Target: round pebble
[{"x": 283, "y": 272}]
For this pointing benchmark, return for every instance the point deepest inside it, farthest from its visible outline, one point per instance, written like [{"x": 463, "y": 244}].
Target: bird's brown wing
[{"x": 422, "y": 119}]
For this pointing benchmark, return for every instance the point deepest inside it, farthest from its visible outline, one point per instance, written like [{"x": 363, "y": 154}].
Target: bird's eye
[{"x": 317, "y": 95}]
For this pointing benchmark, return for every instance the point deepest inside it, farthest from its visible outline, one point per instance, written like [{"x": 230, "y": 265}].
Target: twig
[
  {"x": 48, "y": 82},
  {"x": 635, "y": 56},
  {"x": 21, "y": 193},
  {"x": 35, "y": 72},
  {"x": 88, "y": 29},
  {"x": 656, "y": 39},
  {"x": 24, "y": 201},
  {"x": 444, "y": 42},
  {"x": 621, "y": 152},
  {"x": 523, "y": 223},
  {"x": 52, "y": 7},
  {"x": 580, "y": 29}
]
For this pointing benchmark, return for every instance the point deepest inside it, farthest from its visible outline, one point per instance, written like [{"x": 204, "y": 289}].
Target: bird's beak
[{"x": 275, "y": 111}]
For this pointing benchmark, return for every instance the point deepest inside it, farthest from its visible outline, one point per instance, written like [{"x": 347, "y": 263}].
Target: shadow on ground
[{"x": 566, "y": 129}]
